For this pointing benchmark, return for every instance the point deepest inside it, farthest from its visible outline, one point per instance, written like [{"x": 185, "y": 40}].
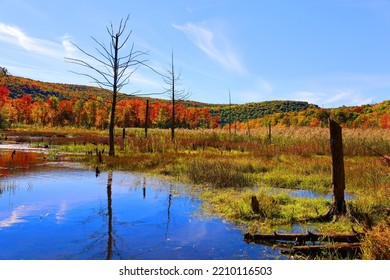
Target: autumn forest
[{"x": 26, "y": 101}]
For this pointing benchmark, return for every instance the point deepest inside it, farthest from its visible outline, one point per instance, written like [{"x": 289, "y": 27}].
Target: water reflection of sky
[
  {"x": 64, "y": 214},
  {"x": 305, "y": 193}
]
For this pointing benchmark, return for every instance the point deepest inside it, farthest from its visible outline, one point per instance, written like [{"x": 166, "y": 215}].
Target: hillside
[
  {"x": 256, "y": 114},
  {"x": 255, "y": 110},
  {"x": 20, "y": 86}
]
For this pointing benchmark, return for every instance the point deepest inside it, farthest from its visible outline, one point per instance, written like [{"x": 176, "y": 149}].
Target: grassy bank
[{"x": 231, "y": 169}]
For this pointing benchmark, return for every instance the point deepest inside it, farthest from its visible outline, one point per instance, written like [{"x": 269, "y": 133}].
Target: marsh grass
[
  {"x": 276, "y": 210},
  {"x": 220, "y": 173}
]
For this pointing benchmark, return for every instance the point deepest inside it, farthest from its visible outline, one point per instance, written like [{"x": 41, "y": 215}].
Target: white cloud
[
  {"x": 214, "y": 44},
  {"x": 14, "y": 35}
]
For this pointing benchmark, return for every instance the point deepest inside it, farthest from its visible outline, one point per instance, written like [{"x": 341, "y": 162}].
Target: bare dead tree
[
  {"x": 146, "y": 118},
  {"x": 230, "y": 113},
  {"x": 112, "y": 66},
  {"x": 172, "y": 82}
]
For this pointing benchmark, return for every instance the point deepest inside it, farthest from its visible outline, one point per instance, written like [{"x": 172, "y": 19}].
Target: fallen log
[
  {"x": 341, "y": 249},
  {"x": 302, "y": 238}
]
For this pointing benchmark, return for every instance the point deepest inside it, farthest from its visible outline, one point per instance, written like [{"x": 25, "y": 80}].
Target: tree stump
[
  {"x": 255, "y": 205},
  {"x": 338, "y": 173}
]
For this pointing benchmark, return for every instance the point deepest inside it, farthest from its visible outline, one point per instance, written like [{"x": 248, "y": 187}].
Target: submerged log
[
  {"x": 311, "y": 244},
  {"x": 302, "y": 238}
]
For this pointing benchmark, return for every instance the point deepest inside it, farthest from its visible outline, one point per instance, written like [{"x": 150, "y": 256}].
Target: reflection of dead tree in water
[
  {"x": 169, "y": 211},
  {"x": 111, "y": 241},
  {"x": 109, "y": 213},
  {"x": 104, "y": 240},
  {"x": 144, "y": 188}
]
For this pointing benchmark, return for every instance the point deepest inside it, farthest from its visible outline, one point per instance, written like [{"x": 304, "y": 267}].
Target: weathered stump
[
  {"x": 338, "y": 173},
  {"x": 255, "y": 205}
]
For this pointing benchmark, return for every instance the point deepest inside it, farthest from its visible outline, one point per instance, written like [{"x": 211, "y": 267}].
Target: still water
[{"x": 57, "y": 212}]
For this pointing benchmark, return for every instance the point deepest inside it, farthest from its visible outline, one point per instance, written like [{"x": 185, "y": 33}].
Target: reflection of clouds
[
  {"x": 15, "y": 217},
  {"x": 61, "y": 211},
  {"x": 23, "y": 211},
  {"x": 193, "y": 232}
]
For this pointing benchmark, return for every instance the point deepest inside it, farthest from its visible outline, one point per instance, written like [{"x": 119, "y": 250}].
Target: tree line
[
  {"x": 95, "y": 112},
  {"x": 364, "y": 116}
]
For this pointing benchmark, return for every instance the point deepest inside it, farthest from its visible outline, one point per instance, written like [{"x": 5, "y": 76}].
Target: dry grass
[{"x": 376, "y": 245}]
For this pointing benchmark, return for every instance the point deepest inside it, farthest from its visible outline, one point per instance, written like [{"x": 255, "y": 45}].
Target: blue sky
[{"x": 327, "y": 52}]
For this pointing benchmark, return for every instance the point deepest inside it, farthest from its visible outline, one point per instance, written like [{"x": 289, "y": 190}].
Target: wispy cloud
[
  {"x": 339, "y": 95},
  {"x": 69, "y": 48},
  {"x": 348, "y": 97},
  {"x": 333, "y": 98},
  {"x": 14, "y": 35},
  {"x": 311, "y": 97},
  {"x": 340, "y": 88},
  {"x": 258, "y": 89},
  {"x": 214, "y": 44}
]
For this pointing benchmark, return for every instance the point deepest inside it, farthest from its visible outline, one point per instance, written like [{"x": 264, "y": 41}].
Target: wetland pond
[{"x": 62, "y": 211}]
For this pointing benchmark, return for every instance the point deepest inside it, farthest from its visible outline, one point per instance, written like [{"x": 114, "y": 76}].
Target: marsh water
[{"x": 62, "y": 211}]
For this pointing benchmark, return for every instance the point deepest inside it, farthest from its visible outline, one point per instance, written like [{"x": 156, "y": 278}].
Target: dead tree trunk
[
  {"x": 338, "y": 174},
  {"x": 146, "y": 118},
  {"x": 269, "y": 132}
]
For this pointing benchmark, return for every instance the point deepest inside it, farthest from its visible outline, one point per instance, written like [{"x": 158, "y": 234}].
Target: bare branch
[
  {"x": 89, "y": 55},
  {"x": 105, "y": 76}
]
